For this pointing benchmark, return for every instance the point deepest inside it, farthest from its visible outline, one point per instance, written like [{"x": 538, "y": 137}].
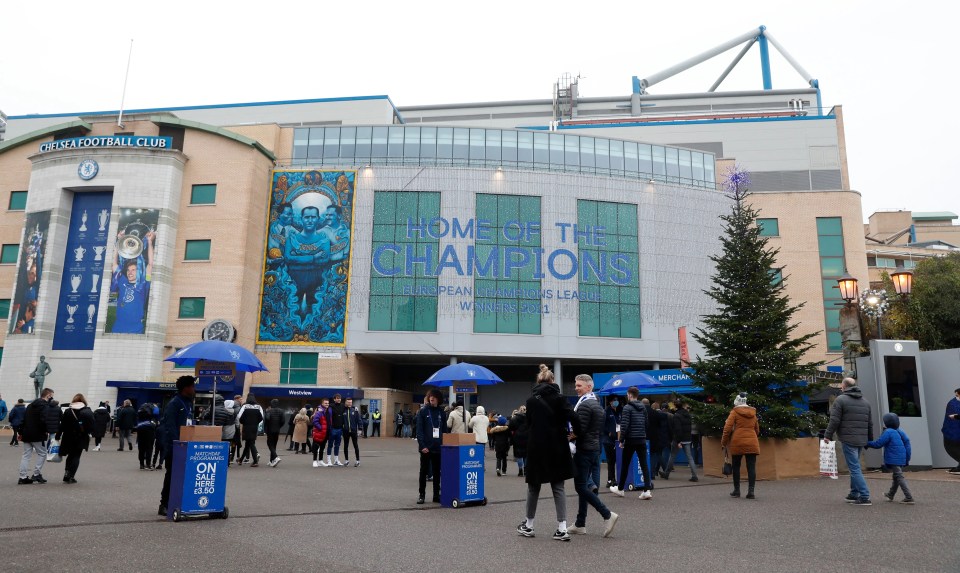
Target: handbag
[
  {"x": 53, "y": 452},
  {"x": 727, "y": 466},
  {"x": 828, "y": 460}
]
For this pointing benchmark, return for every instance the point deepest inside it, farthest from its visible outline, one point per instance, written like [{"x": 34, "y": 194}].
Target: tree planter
[{"x": 778, "y": 459}]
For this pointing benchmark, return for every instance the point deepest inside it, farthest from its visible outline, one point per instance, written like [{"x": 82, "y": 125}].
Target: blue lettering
[
  {"x": 443, "y": 227},
  {"x": 378, "y": 267},
  {"x": 510, "y": 225},
  {"x": 599, "y": 236},
  {"x": 620, "y": 263},
  {"x": 563, "y": 231},
  {"x": 537, "y": 263},
  {"x": 473, "y": 262},
  {"x": 462, "y": 232},
  {"x": 419, "y": 228},
  {"x": 588, "y": 263},
  {"x": 511, "y": 262},
  {"x": 449, "y": 259},
  {"x": 552, "y": 267},
  {"x": 413, "y": 259},
  {"x": 484, "y": 230}
]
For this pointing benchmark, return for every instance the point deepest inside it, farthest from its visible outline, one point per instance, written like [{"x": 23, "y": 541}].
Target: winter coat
[
  {"x": 428, "y": 418},
  {"x": 519, "y": 435},
  {"x": 76, "y": 425},
  {"x": 126, "y": 418},
  {"x": 321, "y": 424},
  {"x": 3, "y": 410},
  {"x": 101, "y": 419},
  {"x": 850, "y": 418},
  {"x": 178, "y": 411},
  {"x": 300, "y": 423},
  {"x": 479, "y": 424},
  {"x": 895, "y": 443},
  {"x": 146, "y": 418},
  {"x": 950, "y": 428},
  {"x": 741, "y": 431},
  {"x": 250, "y": 417},
  {"x": 335, "y": 414},
  {"x": 225, "y": 416},
  {"x": 51, "y": 416},
  {"x": 658, "y": 430},
  {"x": 633, "y": 423},
  {"x": 455, "y": 421},
  {"x": 590, "y": 415},
  {"x": 17, "y": 415},
  {"x": 683, "y": 426},
  {"x": 500, "y": 436},
  {"x": 273, "y": 420},
  {"x": 550, "y": 417},
  {"x": 610, "y": 422},
  {"x": 351, "y": 420},
  {"x": 35, "y": 422}
]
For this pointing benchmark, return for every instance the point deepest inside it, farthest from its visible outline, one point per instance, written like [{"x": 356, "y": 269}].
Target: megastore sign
[{"x": 137, "y": 141}]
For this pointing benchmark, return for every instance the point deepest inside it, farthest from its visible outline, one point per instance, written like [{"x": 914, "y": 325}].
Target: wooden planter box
[{"x": 778, "y": 459}]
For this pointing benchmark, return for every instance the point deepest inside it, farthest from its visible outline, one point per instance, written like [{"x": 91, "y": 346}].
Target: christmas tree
[{"x": 749, "y": 342}]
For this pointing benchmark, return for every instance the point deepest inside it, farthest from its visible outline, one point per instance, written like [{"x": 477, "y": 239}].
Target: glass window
[
  {"x": 831, "y": 266},
  {"x": 192, "y": 307},
  {"x": 659, "y": 162},
  {"x": 428, "y": 142},
  {"x": 541, "y": 148},
  {"x": 315, "y": 147},
  {"x": 411, "y": 142},
  {"x": 673, "y": 164},
  {"x": 829, "y": 226},
  {"x": 697, "y": 166},
  {"x": 8, "y": 255},
  {"x": 645, "y": 160},
  {"x": 525, "y": 148},
  {"x": 477, "y": 145},
  {"x": 831, "y": 246},
  {"x": 631, "y": 160},
  {"x": 203, "y": 194},
  {"x": 301, "y": 139},
  {"x": 331, "y": 142},
  {"x": 885, "y": 263},
  {"x": 903, "y": 386},
  {"x": 198, "y": 250},
  {"x": 708, "y": 170},
  {"x": 444, "y": 142},
  {"x": 298, "y": 367},
  {"x": 571, "y": 154},
  {"x": 4, "y": 308},
  {"x": 769, "y": 227},
  {"x": 379, "y": 146},
  {"x": 493, "y": 145},
  {"x": 509, "y": 146},
  {"x": 364, "y": 135},
  {"x": 586, "y": 153},
  {"x": 348, "y": 142},
  {"x": 461, "y": 144},
  {"x": 395, "y": 142},
  {"x": 686, "y": 166},
  {"x": 602, "y": 152},
  {"x": 18, "y": 201},
  {"x": 556, "y": 149},
  {"x": 616, "y": 155}
]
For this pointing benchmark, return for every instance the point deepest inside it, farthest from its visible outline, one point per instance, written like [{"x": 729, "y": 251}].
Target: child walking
[{"x": 896, "y": 455}]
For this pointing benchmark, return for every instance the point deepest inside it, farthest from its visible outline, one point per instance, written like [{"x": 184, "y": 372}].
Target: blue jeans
[
  {"x": 586, "y": 464},
  {"x": 858, "y": 485},
  {"x": 333, "y": 444}
]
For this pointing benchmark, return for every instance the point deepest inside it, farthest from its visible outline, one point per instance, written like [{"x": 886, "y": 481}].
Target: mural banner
[
  {"x": 132, "y": 269},
  {"x": 306, "y": 269},
  {"x": 23, "y": 309},
  {"x": 83, "y": 264}
]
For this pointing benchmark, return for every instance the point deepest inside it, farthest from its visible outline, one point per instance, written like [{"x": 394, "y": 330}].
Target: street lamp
[
  {"x": 902, "y": 281},
  {"x": 848, "y": 287}
]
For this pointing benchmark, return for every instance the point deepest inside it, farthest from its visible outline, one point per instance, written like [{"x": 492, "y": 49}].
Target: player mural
[
  {"x": 306, "y": 267},
  {"x": 132, "y": 270},
  {"x": 23, "y": 312}
]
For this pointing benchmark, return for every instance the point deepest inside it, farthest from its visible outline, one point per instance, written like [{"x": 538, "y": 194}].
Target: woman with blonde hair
[{"x": 76, "y": 425}]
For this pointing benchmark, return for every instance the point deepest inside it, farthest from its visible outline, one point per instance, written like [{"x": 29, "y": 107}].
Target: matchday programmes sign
[{"x": 146, "y": 141}]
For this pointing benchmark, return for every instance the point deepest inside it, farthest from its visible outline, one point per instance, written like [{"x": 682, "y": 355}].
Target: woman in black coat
[
  {"x": 76, "y": 425},
  {"x": 553, "y": 423},
  {"x": 101, "y": 418}
]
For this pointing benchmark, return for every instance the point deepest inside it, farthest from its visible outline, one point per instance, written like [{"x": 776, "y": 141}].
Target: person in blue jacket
[
  {"x": 17, "y": 415},
  {"x": 896, "y": 455},
  {"x": 178, "y": 412},
  {"x": 951, "y": 430}
]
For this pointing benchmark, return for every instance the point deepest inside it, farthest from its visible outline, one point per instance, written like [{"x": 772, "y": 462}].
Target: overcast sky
[{"x": 888, "y": 64}]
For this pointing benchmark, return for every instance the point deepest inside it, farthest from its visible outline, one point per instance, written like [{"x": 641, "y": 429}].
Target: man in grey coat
[
  {"x": 586, "y": 458},
  {"x": 851, "y": 420}
]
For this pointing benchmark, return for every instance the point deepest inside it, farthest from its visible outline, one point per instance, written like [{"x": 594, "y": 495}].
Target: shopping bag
[
  {"x": 828, "y": 459},
  {"x": 53, "y": 452},
  {"x": 727, "y": 466}
]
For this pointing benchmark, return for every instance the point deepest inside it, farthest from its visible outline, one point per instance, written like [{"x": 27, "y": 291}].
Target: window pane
[
  {"x": 477, "y": 143},
  {"x": 631, "y": 159},
  {"x": 461, "y": 144},
  {"x": 197, "y": 250},
  {"x": 831, "y": 246},
  {"x": 4, "y": 308},
  {"x": 643, "y": 153},
  {"x": 192, "y": 307},
  {"x": 395, "y": 142},
  {"x": 829, "y": 226},
  {"x": 315, "y": 147},
  {"x": 379, "y": 145},
  {"x": 18, "y": 201},
  {"x": 525, "y": 147},
  {"x": 616, "y": 155},
  {"x": 203, "y": 195},
  {"x": 411, "y": 142},
  {"x": 769, "y": 227},
  {"x": 364, "y": 135},
  {"x": 509, "y": 146},
  {"x": 428, "y": 142},
  {"x": 331, "y": 142},
  {"x": 348, "y": 142},
  {"x": 686, "y": 169},
  {"x": 493, "y": 145},
  {"x": 541, "y": 148},
  {"x": 834, "y": 341},
  {"x": 659, "y": 162},
  {"x": 556, "y": 149},
  {"x": 586, "y": 152},
  {"x": 301, "y": 137},
  {"x": 602, "y": 151},
  {"x": 831, "y": 267},
  {"x": 445, "y": 142},
  {"x": 8, "y": 256},
  {"x": 673, "y": 164}
]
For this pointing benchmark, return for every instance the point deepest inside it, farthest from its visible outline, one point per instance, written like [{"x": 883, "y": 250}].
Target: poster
[
  {"x": 80, "y": 285},
  {"x": 306, "y": 269},
  {"x": 23, "y": 310},
  {"x": 132, "y": 268}
]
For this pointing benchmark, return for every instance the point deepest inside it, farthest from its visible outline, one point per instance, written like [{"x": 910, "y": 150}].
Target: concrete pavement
[{"x": 296, "y": 517}]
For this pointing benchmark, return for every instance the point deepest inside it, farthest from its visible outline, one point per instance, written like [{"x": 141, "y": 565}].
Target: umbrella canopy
[
  {"x": 620, "y": 382},
  {"x": 217, "y": 351},
  {"x": 460, "y": 372}
]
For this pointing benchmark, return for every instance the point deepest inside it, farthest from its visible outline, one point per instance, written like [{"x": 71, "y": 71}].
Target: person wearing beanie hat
[
  {"x": 896, "y": 455},
  {"x": 741, "y": 436}
]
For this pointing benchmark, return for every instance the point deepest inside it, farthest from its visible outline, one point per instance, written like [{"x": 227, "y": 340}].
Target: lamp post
[
  {"x": 851, "y": 332},
  {"x": 902, "y": 282}
]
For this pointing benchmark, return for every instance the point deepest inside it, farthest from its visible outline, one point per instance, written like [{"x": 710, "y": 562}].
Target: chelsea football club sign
[{"x": 145, "y": 141}]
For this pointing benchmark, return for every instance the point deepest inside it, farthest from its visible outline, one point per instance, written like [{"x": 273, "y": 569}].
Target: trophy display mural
[
  {"x": 23, "y": 310},
  {"x": 306, "y": 269},
  {"x": 133, "y": 266}
]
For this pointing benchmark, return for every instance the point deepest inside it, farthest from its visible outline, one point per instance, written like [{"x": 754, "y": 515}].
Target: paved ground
[{"x": 295, "y": 517}]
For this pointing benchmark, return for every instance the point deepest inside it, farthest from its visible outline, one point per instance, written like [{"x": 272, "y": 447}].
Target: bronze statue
[{"x": 39, "y": 374}]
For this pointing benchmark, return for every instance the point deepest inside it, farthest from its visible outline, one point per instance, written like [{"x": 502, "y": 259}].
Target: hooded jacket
[
  {"x": 479, "y": 424},
  {"x": 35, "y": 421},
  {"x": 101, "y": 418},
  {"x": 250, "y": 416},
  {"x": 895, "y": 443},
  {"x": 321, "y": 424},
  {"x": 741, "y": 431},
  {"x": 633, "y": 422},
  {"x": 225, "y": 415},
  {"x": 500, "y": 436},
  {"x": 550, "y": 416},
  {"x": 850, "y": 419},
  {"x": 51, "y": 416},
  {"x": 683, "y": 426},
  {"x": 274, "y": 418},
  {"x": 519, "y": 434},
  {"x": 950, "y": 428},
  {"x": 455, "y": 421},
  {"x": 17, "y": 415},
  {"x": 76, "y": 425},
  {"x": 300, "y": 423}
]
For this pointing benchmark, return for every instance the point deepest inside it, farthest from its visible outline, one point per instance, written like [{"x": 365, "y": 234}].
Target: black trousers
[
  {"x": 145, "y": 438},
  {"x": 630, "y": 448},
  {"x": 72, "y": 464},
  {"x": 272, "y": 440},
  {"x": 426, "y": 461},
  {"x": 751, "y": 470},
  {"x": 376, "y": 429},
  {"x": 165, "y": 492},
  {"x": 318, "y": 448},
  {"x": 610, "y": 450},
  {"x": 13, "y": 440},
  {"x": 347, "y": 437},
  {"x": 250, "y": 450}
]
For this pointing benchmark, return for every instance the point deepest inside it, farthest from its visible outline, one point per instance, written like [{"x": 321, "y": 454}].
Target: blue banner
[
  {"x": 203, "y": 488},
  {"x": 23, "y": 312},
  {"x": 80, "y": 285}
]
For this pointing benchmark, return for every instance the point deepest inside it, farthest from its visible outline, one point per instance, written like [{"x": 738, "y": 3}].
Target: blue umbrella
[
  {"x": 620, "y": 382},
  {"x": 460, "y": 372},
  {"x": 217, "y": 351}
]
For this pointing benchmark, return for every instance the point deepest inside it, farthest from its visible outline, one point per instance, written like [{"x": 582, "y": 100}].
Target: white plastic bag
[
  {"x": 828, "y": 459},
  {"x": 53, "y": 452}
]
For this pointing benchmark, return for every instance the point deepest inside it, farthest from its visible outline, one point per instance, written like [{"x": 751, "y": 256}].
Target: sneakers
[
  {"x": 24, "y": 481},
  {"x": 608, "y": 524},
  {"x": 39, "y": 478},
  {"x": 616, "y": 490},
  {"x": 863, "y": 501},
  {"x": 131, "y": 447},
  {"x": 561, "y": 536},
  {"x": 851, "y": 498},
  {"x": 356, "y": 464},
  {"x": 577, "y": 530},
  {"x": 316, "y": 463},
  {"x": 888, "y": 495},
  {"x": 646, "y": 495},
  {"x": 274, "y": 463},
  {"x": 954, "y": 471},
  {"x": 499, "y": 473},
  {"x": 694, "y": 478},
  {"x": 96, "y": 449},
  {"x": 162, "y": 510},
  {"x": 524, "y": 531},
  {"x": 907, "y": 501},
  {"x": 256, "y": 463},
  {"x": 420, "y": 500},
  {"x": 337, "y": 462}
]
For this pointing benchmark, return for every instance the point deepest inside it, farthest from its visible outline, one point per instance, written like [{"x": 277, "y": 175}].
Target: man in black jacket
[
  {"x": 178, "y": 412},
  {"x": 351, "y": 425},
  {"x": 430, "y": 429},
  {"x": 126, "y": 422},
  {"x": 633, "y": 440},
  {"x": 272, "y": 423},
  {"x": 586, "y": 458},
  {"x": 34, "y": 434},
  {"x": 683, "y": 436},
  {"x": 851, "y": 420}
]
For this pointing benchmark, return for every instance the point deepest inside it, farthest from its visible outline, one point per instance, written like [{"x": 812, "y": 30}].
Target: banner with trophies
[
  {"x": 80, "y": 286},
  {"x": 23, "y": 311},
  {"x": 132, "y": 267}
]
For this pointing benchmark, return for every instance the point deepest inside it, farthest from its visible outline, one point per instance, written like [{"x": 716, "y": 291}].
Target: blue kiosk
[{"x": 198, "y": 480}]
